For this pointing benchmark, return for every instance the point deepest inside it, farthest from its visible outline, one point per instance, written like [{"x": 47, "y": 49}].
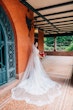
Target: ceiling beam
[
  {"x": 54, "y": 22},
  {"x": 55, "y": 6},
  {"x": 38, "y": 20},
  {"x": 34, "y": 10},
  {"x": 54, "y": 18},
  {"x": 59, "y": 28},
  {"x": 41, "y": 24},
  {"x": 57, "y": 13},
  {"x": 67, "y": 27},
  {"x": 44, "y": 27},
  {"x": 63, "y": 21},
  {"x": 64, "y": 24},
  {"x": 60, "y": 34},
  {"x": 48, "y": 21},
  {"x": 61, "y": 17},
  {"x": 48, "y": 28}
]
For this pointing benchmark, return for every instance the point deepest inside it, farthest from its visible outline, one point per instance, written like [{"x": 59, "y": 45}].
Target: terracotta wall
[
  {"x": 23, "y": 38},
  {"x": 41, "y": 40}
]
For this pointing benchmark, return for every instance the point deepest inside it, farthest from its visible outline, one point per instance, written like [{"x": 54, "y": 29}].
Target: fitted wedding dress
[{"x": 36, "y": 87}]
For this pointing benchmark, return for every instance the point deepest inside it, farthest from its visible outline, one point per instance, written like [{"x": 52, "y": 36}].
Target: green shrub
[{"x": 70, "y": 47}]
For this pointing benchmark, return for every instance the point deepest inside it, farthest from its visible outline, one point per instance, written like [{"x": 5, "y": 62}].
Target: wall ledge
[{"x": 57, "y": 53}]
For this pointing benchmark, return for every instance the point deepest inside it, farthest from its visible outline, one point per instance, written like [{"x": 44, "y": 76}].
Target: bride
[{"x": 36, "y": 87}]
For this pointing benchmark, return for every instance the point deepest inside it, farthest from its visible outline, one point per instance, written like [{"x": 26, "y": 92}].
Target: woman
[{"x": 36, "y": 87}]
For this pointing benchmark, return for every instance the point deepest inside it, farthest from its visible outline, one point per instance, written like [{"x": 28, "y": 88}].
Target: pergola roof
[{"x": 54, "y": 17}]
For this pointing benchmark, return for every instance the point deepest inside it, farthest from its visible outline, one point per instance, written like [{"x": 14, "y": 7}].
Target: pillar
[
  {"x": 55, "y": 44},
  {"x": 41, "y": 40}
]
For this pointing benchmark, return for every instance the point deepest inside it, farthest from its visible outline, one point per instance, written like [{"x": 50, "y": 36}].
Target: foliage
[
  {"x": 48, "y": 48},
  {"x": 64, "y": 43},
  {"x": 49, "y": 41},
  {"x": 70, "y": 47}
]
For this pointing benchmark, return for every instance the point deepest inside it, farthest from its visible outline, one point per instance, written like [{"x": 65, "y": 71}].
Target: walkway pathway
[{"x": 59, "y": 68}]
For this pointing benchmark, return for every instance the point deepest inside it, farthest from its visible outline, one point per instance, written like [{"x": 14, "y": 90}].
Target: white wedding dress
[{"x": 36, "y": 87}]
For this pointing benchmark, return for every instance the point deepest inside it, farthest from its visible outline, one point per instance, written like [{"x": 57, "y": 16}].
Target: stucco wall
[{"x": 23, "y": 38}]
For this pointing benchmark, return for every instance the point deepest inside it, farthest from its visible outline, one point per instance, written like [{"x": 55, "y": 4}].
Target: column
[
  {"x": 41, "y": 40},
  {"x": 55, "y": 44}
]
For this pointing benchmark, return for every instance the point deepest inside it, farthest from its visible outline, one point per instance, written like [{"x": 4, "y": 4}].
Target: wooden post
[{"x": 55, "y": 44}]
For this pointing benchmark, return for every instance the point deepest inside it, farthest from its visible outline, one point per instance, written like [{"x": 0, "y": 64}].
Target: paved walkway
[
  {"x": 59, "y": 68},
  {"x": 58, "y": 65}
]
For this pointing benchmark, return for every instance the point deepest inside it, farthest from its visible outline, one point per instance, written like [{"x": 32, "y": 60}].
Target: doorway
[{"x": 7, "y": 49}]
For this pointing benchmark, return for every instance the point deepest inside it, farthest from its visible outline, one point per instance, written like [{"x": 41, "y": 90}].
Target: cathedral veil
[{"x": 35, "y": 86}]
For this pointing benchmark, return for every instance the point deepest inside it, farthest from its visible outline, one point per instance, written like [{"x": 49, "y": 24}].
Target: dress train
[{"x": 36, "y": 87}]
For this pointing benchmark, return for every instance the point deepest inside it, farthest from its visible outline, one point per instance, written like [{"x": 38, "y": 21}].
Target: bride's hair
[{"x": 36, "y": 42}]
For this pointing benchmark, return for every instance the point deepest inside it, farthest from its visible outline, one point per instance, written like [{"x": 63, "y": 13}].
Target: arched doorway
[
  {"x": 3, "y": 73},
  {"x": 7, "y": 50}
]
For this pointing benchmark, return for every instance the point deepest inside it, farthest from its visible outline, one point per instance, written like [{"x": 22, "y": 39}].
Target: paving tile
[{"x": 59, "y": 69}]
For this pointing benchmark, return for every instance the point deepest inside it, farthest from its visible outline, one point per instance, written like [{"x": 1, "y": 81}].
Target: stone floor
[{"x": 59, "y": 69}]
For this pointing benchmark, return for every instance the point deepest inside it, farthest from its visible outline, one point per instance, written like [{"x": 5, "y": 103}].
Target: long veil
[{"x": 36, "y": 87}]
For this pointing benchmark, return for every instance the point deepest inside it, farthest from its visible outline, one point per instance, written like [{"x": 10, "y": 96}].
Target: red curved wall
[{"x": 23, "y": 38}]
